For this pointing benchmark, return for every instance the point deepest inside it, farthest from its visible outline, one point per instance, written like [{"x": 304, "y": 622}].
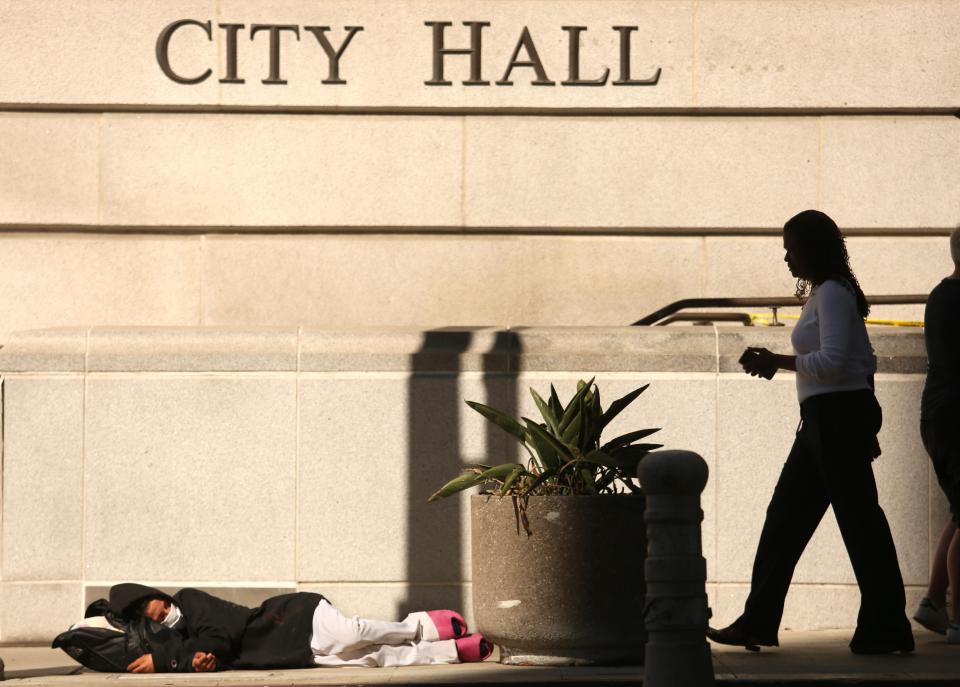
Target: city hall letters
[{"x": 454, "y": 54}]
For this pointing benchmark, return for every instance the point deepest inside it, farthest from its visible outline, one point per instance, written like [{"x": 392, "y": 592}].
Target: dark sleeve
[
  {"x": 209, "y": 629},
  {"x": 212, "y": 626},
  {"x": 171, "y": 656},
  {"x": 168, "y": 650}
]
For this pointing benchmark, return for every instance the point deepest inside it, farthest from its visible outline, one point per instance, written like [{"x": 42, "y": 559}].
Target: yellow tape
[
  {"x": 896, "y": 323},
  {"x": 767, "y": 320}
]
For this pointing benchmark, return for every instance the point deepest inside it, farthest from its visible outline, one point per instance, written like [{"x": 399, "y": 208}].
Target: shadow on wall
[{"x": 435, "y": 535}]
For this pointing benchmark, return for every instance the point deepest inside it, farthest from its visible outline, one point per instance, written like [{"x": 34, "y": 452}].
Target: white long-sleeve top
[{"x": 831, "y": 343}]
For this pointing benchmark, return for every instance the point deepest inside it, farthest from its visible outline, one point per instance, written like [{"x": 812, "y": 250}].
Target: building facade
[{"x": 221, "y": 166}]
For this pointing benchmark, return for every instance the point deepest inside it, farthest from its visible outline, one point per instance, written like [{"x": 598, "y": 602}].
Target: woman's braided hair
[{"x": 825, "y": 251}]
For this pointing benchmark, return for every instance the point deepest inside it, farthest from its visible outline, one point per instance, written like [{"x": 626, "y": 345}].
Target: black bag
[{"x": 106, "y": 651}]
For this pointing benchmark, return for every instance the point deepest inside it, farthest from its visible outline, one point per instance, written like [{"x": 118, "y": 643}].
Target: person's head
[
  {"x": 155, "y": 608},
  {"x": 131, "y": 600},
  {"x": 815, "y": 251}
]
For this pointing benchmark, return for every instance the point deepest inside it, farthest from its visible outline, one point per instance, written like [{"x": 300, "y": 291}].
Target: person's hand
[
  {"x": 203, "y": 662},
  {"x": 144, "y": 664},
  {"x": 759, "y": 362}
]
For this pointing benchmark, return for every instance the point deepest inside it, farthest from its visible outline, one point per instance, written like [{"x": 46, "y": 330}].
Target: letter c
[{"x": 163, "y": 46}]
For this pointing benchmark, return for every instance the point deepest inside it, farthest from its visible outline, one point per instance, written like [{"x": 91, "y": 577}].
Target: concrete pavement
[{"x": 807, "y": 658}]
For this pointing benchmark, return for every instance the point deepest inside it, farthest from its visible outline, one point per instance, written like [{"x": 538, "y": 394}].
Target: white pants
[{"x": 341, "y": 641}]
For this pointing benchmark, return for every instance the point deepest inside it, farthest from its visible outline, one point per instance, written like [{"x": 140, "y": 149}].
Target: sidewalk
[{"x": 805, "y": 658}]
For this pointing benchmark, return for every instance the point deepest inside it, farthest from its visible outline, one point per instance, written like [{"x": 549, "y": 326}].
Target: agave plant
[{"x": 565, "y": 455}]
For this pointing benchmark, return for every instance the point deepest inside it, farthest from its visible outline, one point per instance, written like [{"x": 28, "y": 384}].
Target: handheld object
[{"x": 749, "y": 357}]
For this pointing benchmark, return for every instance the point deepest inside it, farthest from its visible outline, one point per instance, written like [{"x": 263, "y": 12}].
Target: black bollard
[{"x": 676, "y": 613}]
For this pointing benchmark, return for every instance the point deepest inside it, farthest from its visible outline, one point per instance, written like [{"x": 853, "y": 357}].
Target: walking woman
[{"x": 830, "y": 462}]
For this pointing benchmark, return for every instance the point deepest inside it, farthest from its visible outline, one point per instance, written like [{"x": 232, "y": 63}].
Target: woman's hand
[{"x": 759, "y": 362}]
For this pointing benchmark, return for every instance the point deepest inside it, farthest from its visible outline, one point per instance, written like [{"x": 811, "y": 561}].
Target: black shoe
[
  {"x": 734, "y": 636},
  {"x": 882, "y": 645}
]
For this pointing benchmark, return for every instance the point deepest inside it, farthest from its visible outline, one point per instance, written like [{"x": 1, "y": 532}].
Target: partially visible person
[
  {"x": 940, "y": 431},
  {"x": 199, "y": 632},
  {"x": 829, "y": 464}
]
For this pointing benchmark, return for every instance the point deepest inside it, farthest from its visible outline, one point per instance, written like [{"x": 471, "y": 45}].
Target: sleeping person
[{"x": 193, "y": 631}]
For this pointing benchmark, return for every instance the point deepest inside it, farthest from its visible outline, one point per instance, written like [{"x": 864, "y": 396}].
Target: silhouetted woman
[{"x": 830, "y": 462}]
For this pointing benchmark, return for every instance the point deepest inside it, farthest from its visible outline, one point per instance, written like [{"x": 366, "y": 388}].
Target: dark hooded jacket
[{"x": 274, "y": 635}]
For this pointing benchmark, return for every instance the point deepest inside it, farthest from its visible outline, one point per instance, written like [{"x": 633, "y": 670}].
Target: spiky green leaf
[
  {"x": 595, "y": 415},
  {"x": 498, "y": 472},
  {"x": 562, "y": 449},
  {"x": 598, "y": 457},
  {"x": 574, "y": 406},
  {"x": 511, "y": 479},
  {"x": 555, "y": 404},
  {"x": 635, "y": 449},
  {"x": 544, "y": 449},
  {"x": 548, "y": 415},
  {"x": 628, "y": 438},
  {"x": 630, "y": 456},
  {"x": 572, "y": 430},
  {"x": 620, "y": 404},
  {"x": 460, "y": 483},
  {"x": 500, "y": 419}
]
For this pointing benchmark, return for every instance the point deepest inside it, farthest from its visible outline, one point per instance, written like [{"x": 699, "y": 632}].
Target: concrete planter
[{"x": 572, "y": 593}]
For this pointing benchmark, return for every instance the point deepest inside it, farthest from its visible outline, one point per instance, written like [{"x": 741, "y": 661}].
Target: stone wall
[
  {"x": 215, "y": 452},
  {"x": 254, "y": 460},
  {"x": 129, "y": 199}
]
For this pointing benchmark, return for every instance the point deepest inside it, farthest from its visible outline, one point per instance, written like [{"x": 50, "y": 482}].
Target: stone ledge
[
  {"x": 448, "y": 350},
  {"x": 610, "y": 349},
  {"x": 900, "y": 351},
  {"x": 451, "y": 349},
  {"x": 189, "y": 349},
  {"x": 45, "y": 350}
]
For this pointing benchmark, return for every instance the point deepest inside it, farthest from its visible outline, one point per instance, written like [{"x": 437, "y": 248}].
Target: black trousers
[
  {"x": 940, "y": 432},
  {"x": 829, "y": 465}
]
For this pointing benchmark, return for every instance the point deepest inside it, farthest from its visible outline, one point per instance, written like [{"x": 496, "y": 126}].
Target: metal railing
[{"x": 670, "y": 312}]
